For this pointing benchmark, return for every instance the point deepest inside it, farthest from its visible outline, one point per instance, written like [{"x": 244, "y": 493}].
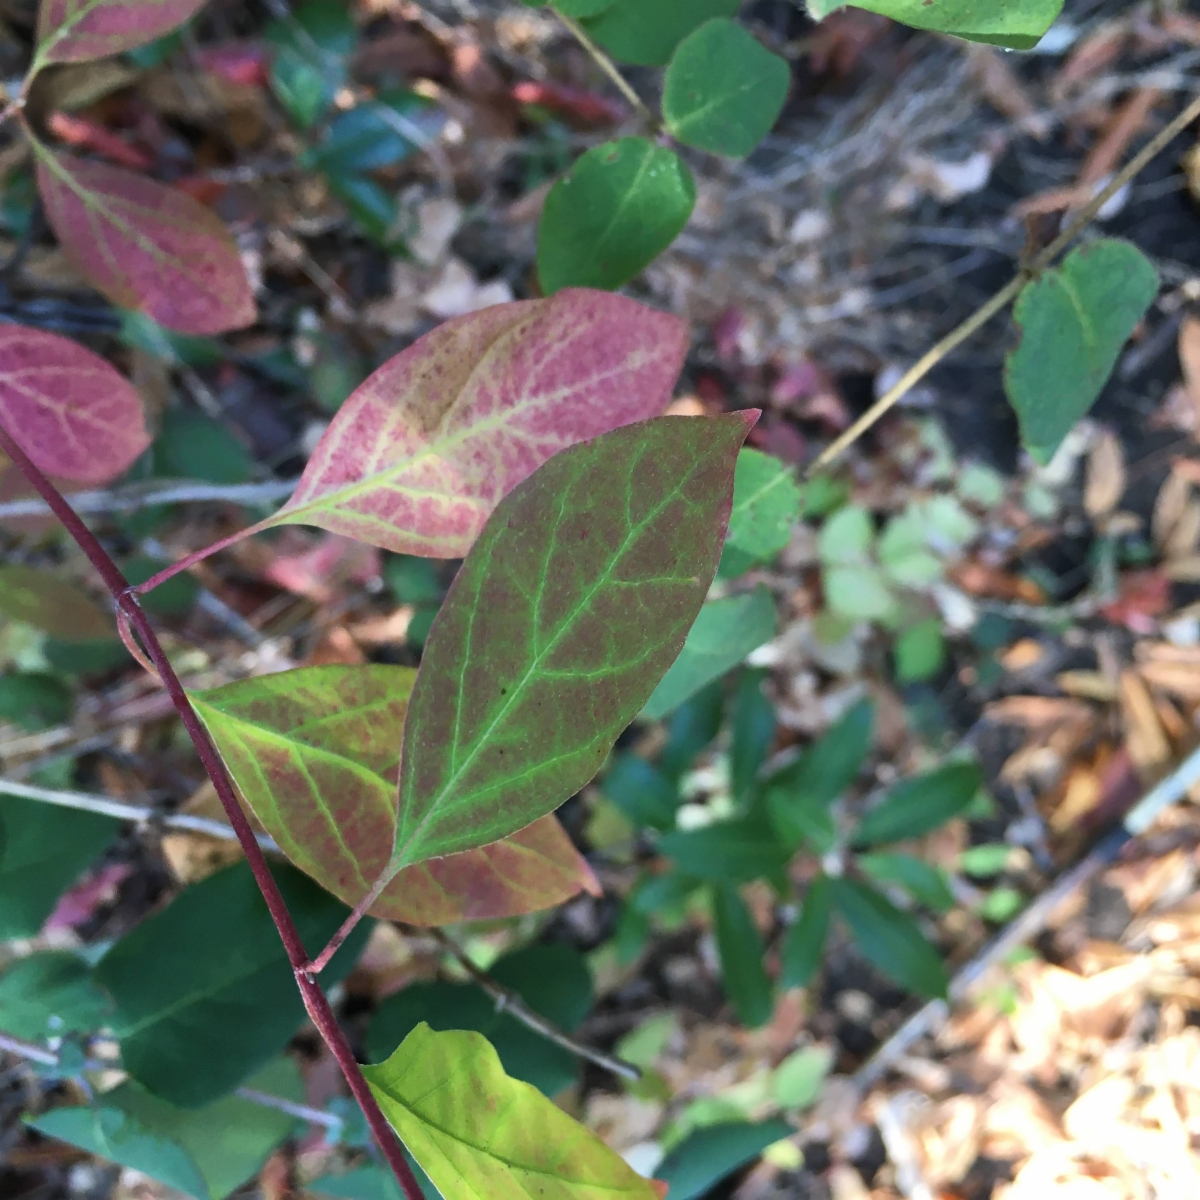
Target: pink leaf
[
  {"x": 72, "y": 413},
  {"x": 77, "y": 30},
  {"x": 419, "y": 456},
  {"x": 146, "y": 246}
]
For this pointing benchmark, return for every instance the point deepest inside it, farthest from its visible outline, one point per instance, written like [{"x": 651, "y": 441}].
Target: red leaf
[
  {"x": 72, "y": 413},
  {"x": 315, "y": 752},
  {"x": 77, "y": 30},
  {"x": 246, "y": 63},
  {"x": 87, "y": 135},
  {"x": 146, "y": 246},
  {"x": 419, "y": 456},
  {"x": 572, "y": 102},
  {"x": 1143, "y": 596},
  {"x": 81, "y": 902}
]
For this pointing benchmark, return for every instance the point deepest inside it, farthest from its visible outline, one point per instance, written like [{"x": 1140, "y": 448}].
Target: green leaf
[
  {"x": 904, "y": 552},
  {"x": 363, "y": 1183},
  {"x": 316, "y": 752},
  {"x": 832, "y": 763},
  {"x": 691, "y": 728},
  {"x": 847, "y": 537},
  {"x": 34, "y": 700},
  {"x": 926, "y": 884},
  {"x": 570, "y": 605},
  {"x": 580, "y": 8},
  {"x": 859, "y": 593},
  {"x": 889, "y": 938},
  {"x": 203, "y": 990},
  {"x": 724, "y": 633},
  {"x": 173, "y": 598},
  {"x": 641, "y": 792},
  {"x": 796, "y": 1082},
  {"x": 915, "y": 806},
  {"x": 378, "y": 133},
  {"x": 982, "y": 862},
  {"x": 723, "y": 89},
  {"x": 312, "y": 50},
  {"x": 766, "y": 504},
  {"x": 1074, "y": 322},
  {"x": 753, "y": 732},
  {"x": 727, "y": 851},
  {"x": 206, "y": 1152},
  {"x": 372, "y": 206},
  {"x": 805, "y": 942},
  {"x": 43, "y": 851},
  {"x": 476, "y": 1132},
  {"x": 51, "y": 603},
  {"x": 192, "y": 445},
  {"x": 1016, "y": 24},
  {"x": 799, "y": 819},
  {"x": 49, "y": 994},
  {"x": 741, "y": 951},
  {"x": 617, "y": 209},
  {"x": 920, "y": 651},
  {"x": 552, "y": 979},
  {"x": 647, "y": 34},
  {"x": 708, "y": 1155}
]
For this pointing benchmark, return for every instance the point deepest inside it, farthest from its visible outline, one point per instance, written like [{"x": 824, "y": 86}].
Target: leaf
[
  {"x": 50, "y": 994},
  {"x": 72, "y": 413},
  {"x": 832, "y": 763},
  {"x": 34, "y": 700},
  {"x": 915, "y": 806},
  {"x": 647, "y": 34},
  {"x": 889, "y": 938},
  {"x": 796, "y": 1082},
  {"x": 612, "y": 214},
  {"x": 378, "y": 133},
  {"x": 708, "y": 1155},
  {"x": 312, "y": 50},
  {"x": 192, "y": 445},
  {"x": 581, "y": 8},
  {"x": 724, "y": 633},
  {"x": 1074, "y": 322},
  {"x": 723, "y": 89},
  {"x": 571, "y": 604},
  {"x": 43, "y": 850},
  {"x": 145, "y": 246},
  {"x": 77, "y": 30},
  {"x": 920, "y": 651},
  {"x": 552, "y": 979},
  {"x": 50, "y": 603},
  {"x": 727, "y": 851},
  {"x": 859, "y": 593},
  {"x": 805, "y": 942},
  {"x": 476, "y": 1132},
  {"x": 1016, "y": 24},
  {"x": 641, "y": 792},
  {"x": 741, "y": 951},
  {"x": 363, "y": 1183},
  {"x": 904, "y": 553},
  {"x": 753, "y": 732},
  {"x": 690, "y": 729},
  {"x": 203, "y": 990},
  {"x": 316, "y": 751},
  {"x": 420, "y": 455},
  {"x": 925, "y": 883},
  {"x": 206, "y": 1152},
  {"x": 766, "y": 504}
]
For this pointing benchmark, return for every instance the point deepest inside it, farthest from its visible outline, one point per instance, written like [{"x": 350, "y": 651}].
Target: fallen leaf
[{"x": 1105, "y": 479}]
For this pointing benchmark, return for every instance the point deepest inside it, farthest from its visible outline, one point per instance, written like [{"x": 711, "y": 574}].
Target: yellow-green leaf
[{"x": 477, "y": 1133}]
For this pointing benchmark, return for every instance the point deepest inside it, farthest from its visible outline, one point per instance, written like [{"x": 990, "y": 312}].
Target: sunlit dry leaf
[
  {"x": 146, "y": 246},
  {"x": 1189, "y": 360},
  {"x": 72, "y": 413},
  {"x": 1144, "y": 736},
  {"x": 75, "y": 30},
  {"x": 1105, "y": 475},
  {"x": 419, "y": 456},
  {"x": 1169, "y": 506},
  {"x": 316, "y": 751}
]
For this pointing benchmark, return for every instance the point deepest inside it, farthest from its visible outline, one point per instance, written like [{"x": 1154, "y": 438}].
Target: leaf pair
[{"x": 141, "y": 244}]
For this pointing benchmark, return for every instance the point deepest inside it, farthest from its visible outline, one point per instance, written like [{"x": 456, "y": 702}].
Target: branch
[
  {"x": 130, "y": 499},
  {"x": 510, "y": 1002},
  {"x": 607, "y": 65},
  {"x": 315, "y": 1000},
  {"x": 32, "y": 1052},
  {"x": 1009, "y": 292}
]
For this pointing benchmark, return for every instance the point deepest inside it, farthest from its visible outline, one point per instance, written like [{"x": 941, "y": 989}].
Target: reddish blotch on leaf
[
  {"x": 146, "y": 246},
  {"x": 75, "y": 416}
]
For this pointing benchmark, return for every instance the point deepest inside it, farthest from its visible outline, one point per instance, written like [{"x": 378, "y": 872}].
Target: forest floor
[{"x": 898, "y": 191}]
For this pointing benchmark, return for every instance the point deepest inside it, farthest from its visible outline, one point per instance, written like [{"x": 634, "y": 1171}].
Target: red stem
[{"x": 315, "y": 1001}]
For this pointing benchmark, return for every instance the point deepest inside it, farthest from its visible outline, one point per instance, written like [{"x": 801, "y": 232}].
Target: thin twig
[
  {"x": 315, "y": 1001},
  {"x": 510, "y": 1002},
  {"x": 131, "y": 499},
  {"x": 607, "y": 65},
  {"x": 87, "y": 802},
  {"x": 1009, "y": 292},
  {"x": 32, "y": 1052}
]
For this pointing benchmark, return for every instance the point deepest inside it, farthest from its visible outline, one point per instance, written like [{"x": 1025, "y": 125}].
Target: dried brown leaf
[{"x": 1105, "y": 475}]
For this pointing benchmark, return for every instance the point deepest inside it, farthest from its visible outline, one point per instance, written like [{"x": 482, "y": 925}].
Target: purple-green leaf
[{"x": 573, "y": 602}]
